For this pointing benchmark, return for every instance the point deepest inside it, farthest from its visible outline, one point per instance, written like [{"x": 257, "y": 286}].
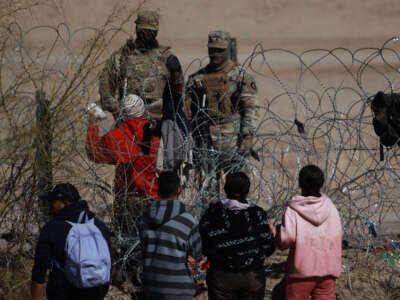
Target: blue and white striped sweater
[{"x": 169, "y": 234}]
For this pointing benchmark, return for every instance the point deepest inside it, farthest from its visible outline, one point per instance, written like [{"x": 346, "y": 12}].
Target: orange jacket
[{"x": 123, "y": 147}]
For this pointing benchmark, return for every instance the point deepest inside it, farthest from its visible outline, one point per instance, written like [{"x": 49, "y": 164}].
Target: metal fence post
[{"x": 43, "y": 166}]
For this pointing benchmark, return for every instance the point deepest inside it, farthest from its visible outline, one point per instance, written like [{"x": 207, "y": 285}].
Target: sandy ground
[
  {"x": 288, "y": 24},
  {"x": 283, "y": 23}
]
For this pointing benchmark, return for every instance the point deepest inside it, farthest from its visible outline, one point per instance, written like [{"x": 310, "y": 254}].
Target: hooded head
[
  {"x": 315, "y": 210},
  {"x": 132, "y": 106},
  {"x": 147, "y": 23},
  {"x": 218, "y": 47}
]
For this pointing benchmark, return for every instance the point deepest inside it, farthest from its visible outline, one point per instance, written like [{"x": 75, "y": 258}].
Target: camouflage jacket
[
  {"x": 227, "y": 97},
  {"x": 155, "y": 75}
]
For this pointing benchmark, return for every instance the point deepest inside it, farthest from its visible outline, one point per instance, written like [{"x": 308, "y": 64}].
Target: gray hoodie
[{"x": 168, "y": 235}]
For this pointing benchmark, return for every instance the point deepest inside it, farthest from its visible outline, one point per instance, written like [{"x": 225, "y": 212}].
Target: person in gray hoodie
[{"x": 169, "y": 234}]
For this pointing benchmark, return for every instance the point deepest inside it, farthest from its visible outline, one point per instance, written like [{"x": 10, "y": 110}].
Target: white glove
[{"x": 95, "y": 112}]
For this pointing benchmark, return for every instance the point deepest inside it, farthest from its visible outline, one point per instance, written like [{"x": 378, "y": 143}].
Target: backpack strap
[
  {"x": 83, "y": 218},
  {"x": 81, "y": 215},
  {"x": 80, "y": 219}
]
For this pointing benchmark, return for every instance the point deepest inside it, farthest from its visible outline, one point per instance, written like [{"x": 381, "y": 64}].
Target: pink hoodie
[{"x": 312, "y": 230}]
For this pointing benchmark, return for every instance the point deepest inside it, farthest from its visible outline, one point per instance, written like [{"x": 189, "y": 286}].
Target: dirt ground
[
  {"x": 368, "y": 277},
  {"x": 287, "y": 24}
]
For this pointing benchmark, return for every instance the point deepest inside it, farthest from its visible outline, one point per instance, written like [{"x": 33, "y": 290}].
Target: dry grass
[
  {"x": 363, "y": 276},
  {"x": 15, "y": 277},
  {"x": 367, "y": 277}
]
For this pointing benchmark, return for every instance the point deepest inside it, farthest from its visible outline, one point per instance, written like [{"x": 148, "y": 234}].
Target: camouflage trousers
[{"x": 211, "y": 161}]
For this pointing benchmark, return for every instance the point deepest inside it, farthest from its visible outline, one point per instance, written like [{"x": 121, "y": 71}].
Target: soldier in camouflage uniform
[
  {"x": 221, "y": 101},
  {"x": 144, "y": 68}
]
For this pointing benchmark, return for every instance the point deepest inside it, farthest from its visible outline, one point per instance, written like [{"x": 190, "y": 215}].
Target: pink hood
[
  {"x": 313, "y": 209},
  {"x": 311, "y": 228}
]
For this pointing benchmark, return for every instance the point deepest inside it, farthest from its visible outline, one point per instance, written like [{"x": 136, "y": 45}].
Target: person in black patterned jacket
[{"x": 236, "y": 239}]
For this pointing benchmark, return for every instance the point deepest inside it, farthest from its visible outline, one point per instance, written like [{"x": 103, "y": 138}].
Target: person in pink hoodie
[{"x": 312, "y": 230}]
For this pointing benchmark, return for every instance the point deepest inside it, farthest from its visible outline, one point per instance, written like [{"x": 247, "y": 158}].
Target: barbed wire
[{"x": 313, "y": 107}]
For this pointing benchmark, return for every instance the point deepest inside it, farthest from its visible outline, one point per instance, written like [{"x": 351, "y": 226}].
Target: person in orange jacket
[{"x": 133, "y": 148}]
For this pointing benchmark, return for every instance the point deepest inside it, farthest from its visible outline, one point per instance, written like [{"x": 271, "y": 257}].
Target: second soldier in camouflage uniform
[{"x": 221, "y": 100}]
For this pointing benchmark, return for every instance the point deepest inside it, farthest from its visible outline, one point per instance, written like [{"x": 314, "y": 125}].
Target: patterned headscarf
[{"x": 132, "y": 106}]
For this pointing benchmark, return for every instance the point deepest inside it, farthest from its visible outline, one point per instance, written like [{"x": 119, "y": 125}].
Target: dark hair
[
  {"x": 168, "y": 184},
  {"x": 63, "y": 192},
  {"x": 237, "y": 185},
  {"x": 311, "y": 178}
]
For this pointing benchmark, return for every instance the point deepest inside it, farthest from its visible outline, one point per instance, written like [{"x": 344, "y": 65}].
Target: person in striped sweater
[{"x": 169, "y": 234}]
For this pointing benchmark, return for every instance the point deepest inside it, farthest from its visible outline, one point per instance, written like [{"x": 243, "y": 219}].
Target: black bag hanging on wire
[{"x": 386, "y": 121}]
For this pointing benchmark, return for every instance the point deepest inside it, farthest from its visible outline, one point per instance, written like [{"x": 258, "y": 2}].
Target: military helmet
[
  {"x": 147, "y": 19},
  {"x": 219, "y": 39}
]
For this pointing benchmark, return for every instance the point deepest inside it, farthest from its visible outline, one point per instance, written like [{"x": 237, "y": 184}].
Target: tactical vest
[
  {"x": 146, "y": 74},
  {"x": 221, "y": 103}
]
